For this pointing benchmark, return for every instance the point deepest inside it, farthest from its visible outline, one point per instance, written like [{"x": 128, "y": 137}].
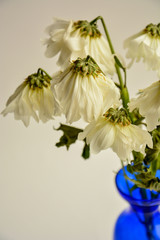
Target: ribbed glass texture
[{"x": 141, "y": 220}]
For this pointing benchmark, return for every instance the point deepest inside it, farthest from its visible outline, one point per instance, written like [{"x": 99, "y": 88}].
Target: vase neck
[{"x": 144, "y": 209}]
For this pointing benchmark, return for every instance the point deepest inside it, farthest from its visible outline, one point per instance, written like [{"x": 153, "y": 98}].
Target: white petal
[
  {"x": 84, "y": 97},
  {"x": 103, "y": 138},
  {"x": 148, "y": 104},
  {"x": 102, "y": 134},
  {"x": 146, "y": 47},
  {"x": 26, "y": 102}
]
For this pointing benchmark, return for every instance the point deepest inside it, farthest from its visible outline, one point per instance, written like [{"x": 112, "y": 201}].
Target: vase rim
[{"x": 134, "y": 199}]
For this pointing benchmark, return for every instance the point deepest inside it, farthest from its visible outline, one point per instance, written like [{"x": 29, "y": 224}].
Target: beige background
[{"x": 48, "y": 193}]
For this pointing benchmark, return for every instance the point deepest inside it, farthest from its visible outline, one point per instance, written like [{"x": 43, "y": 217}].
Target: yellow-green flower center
[
  {"x": 87, "y": 29},
  {"x": 86, "y": 67},
  {"x": 117, "y": 116},
  {"x": 153, "y": 30},
  {"x": 38, "y": 80}
]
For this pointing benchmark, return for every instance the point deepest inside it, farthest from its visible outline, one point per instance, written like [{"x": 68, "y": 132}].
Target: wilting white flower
[
  {"x": 78, "y": 39},
  {"x": 148, "y": 103},
  {"x": 83, "y": 91},
  {"x": 145, "y": 45},
  {"x": 33, "y": 98},
  {"x": 114, "y": 130}
]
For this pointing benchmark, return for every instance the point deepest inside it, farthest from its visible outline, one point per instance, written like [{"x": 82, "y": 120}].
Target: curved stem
[
  {"x": 111, "y": 47},
  {"x": 122, "y": 84},
  {"x": 43, "y": 71}
]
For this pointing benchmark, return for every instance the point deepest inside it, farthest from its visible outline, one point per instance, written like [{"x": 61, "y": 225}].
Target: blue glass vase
[{"x": 141, "y": 220}]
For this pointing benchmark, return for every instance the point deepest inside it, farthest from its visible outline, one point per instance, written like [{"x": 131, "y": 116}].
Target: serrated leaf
[{"x": 69, "y": 136}]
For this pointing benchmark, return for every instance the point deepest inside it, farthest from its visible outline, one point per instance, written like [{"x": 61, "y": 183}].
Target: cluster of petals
[
  {"x": 84, "y": 96},
  {"x": 148, "y": 103},
  {"x": 146, "y": 47},
  {"x": 70, "y": 44},
  {"x": 26, "y": 102},
  {"x": 102, "y": 134}
]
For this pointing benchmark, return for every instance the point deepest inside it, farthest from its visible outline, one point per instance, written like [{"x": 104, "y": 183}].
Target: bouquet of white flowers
[{"x": 86, "y": 87}]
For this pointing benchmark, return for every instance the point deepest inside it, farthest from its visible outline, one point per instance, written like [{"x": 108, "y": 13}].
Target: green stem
[
  {"x": 130, "y": 192},
  {"x": 143, "y": 193},
  {"x": 125, "y": 100},
  {"x": 125, "y": 79},
  {"x": 111, "y": 47}
]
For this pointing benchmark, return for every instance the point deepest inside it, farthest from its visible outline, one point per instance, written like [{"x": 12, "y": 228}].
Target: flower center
[
  {"x": 117, "y": 116},
  {"x": 38, "y": 80},
  {"x": 153, "y": 29},
  {"x": 87, "y": 29},
  {"x": 86, "y": 66}
]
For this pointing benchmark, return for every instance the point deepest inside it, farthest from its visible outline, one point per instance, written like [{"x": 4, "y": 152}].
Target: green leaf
[
  {"x": 130, "y": 168},
  {"x": 146, "y": 180},
  {"x": 69, "y": 136},
  {"x": 86, "y": 151},
  {"x": 155, "y": 164},
  {"x": 119, "y": 63},
  {"x": 136, "y": 165},
  {"x": 145, "y": 176},
  {"x": 153, "y": 154},
  {"x": 156, "y": 135},
  {"x": 154, "y": 184}
]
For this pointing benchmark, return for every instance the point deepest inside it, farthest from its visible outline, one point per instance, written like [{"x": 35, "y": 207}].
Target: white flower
[
  {"x": 148, "y": 103},
  {"x": 32, "y": 99},
  {"x": 122, "y": 137},
  {"x": 78, "y": 39},
  {"x": 58, "y": 33},
  {"x": 83, "y": 91},
  {"x": 145, "y": 45}
]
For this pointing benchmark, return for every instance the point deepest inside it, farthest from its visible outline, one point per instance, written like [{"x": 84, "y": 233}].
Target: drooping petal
[
  {"x": 84, "y": 94},
  {"x": 72, "y": 40},
  {"x": 148, "y": 103},
  {"x": 36, "y": 102},
  {"x": 101, "y": 140},
  {"x": 104, "y": 133},
  {"x": 146, "y": 46},
  {"x": 122, "y": 145}
]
